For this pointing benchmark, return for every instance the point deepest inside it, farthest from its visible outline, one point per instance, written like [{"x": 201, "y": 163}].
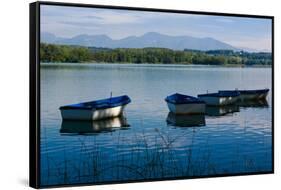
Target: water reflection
[
  {"x": 142, "y": 152},
  {"x": 88, "y": 127},
  {"x": 185, "y": 120},
  {"x": 262, "y": 103},
  {"x": 221, "y": 110}
]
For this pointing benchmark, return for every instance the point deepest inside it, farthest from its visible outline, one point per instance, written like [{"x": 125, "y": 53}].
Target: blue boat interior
[
  {"x": 100, "y": 104},
  {"x": 182, "y": 99}
]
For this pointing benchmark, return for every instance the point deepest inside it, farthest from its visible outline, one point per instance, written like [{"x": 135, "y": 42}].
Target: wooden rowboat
[
  {"x": 249, "y": 94},
  {"x": 183, "y": 104},
  {"x": 253, "y": 94},
  {"x": 221, "y": 98},
  {"x": 95, "y": 110}
]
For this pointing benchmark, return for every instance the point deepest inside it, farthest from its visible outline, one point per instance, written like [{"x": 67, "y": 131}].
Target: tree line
[{"x": 77, "y": 54}]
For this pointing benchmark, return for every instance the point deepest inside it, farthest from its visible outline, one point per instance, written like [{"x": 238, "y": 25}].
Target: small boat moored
[
  {"x": 253, "y": 94},
  {"x": 95, "y": 110},
  {"x": 249, "y": 94},
  {"x": 183, "y": 104},
  {"x": 221, "y": 98}
]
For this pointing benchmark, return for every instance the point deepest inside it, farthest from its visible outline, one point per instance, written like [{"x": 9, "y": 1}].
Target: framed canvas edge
[
  {"x": 34, "y": 90},
  {"x": 34, "y": 96}
]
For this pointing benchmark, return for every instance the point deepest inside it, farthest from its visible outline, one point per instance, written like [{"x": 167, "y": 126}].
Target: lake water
[{"x": 151, "y": 144}]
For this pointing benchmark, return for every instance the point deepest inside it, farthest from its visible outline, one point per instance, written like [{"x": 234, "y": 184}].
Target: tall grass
[{"x": 147, "y": 156}]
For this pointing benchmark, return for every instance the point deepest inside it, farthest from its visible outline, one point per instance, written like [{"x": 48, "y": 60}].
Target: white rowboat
[
  {"x": 253, "y": 94},
  {"x": 95, "y": 110},
  {"x": 183, "y": 104},
  {"x": 220, "y": 98},
  {"x": 249, "y": 94}
]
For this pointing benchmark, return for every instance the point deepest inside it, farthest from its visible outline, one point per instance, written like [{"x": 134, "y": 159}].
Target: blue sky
[{"x": 238, "y": 31}]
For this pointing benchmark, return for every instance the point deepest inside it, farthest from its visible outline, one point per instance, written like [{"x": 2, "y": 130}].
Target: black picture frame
[{"x": 34, "y": 89}]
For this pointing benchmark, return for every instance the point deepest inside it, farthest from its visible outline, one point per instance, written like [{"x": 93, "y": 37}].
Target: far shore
[{"x": 152, "y": 64}]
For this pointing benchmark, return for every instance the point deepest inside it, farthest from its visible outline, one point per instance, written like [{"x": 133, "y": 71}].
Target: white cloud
[
  {"x": 109, "y": 17},
  {"x": 71, "y": 21}
]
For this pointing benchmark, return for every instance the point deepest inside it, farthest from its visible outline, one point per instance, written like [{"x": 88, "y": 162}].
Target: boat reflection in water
[
  {"x": 221, "y": 110},
  {"x": 92, "y": 127},
  {"x": 184, "y": 120},
  {"x": 262, "y": 103}
]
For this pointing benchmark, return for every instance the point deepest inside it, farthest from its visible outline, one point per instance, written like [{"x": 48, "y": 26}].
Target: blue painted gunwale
[
  {"x": 100, "y": 104},
  {"x": 225, "y": 93},
  {"x": 183, "y": 99},
  {"x": 260, "y": 91}
]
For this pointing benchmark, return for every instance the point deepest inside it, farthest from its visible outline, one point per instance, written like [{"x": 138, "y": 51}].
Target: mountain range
[{"x": 150, "y": 39}]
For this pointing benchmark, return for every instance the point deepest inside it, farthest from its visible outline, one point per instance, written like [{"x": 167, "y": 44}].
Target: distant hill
[{"x": 151, "y": 39}]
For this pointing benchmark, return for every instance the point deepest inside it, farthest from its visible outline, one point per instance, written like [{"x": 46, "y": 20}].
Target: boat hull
[
  {"x": 219, "y": 101},
  {"x": 83, "y": 114},
  {"x": 190, "y": 108},
  {"x": 253, "y": 96}
]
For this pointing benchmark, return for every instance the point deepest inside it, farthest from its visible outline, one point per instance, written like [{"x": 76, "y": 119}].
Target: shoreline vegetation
[{"x": 151, "y": 55}]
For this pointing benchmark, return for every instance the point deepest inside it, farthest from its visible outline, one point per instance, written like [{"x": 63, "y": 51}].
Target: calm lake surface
[{"x": 151, "y": 143}]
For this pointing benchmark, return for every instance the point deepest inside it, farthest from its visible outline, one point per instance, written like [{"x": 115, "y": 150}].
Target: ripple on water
[{"x": 150, "y": 148}]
